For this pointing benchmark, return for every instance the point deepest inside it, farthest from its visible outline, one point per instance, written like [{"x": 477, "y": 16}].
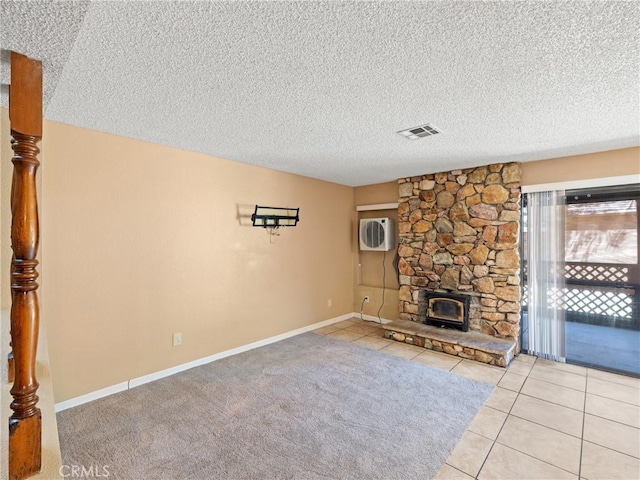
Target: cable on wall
[{"x": 384, "y": 285}]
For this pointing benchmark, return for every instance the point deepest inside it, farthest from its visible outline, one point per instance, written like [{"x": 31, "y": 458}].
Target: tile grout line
[
  {"x": 590, "y": 393},
  {"x": 584, "y": 419},
  {"x": 503, "y": 423},
  {"x": 612, "y": 450},
  {"x": 546, "y": 426},
  {"x": 618, "y": 383},
  {"x": 455, "y": 468},
  {"x": 559, "y": 385},
  {"x": 525, "y": 453},
  {"x": 539, "y": 460},
  {"x": 519, "y": 392},
  {"x": 550, "y": 401},
  {"x": 610, "y": 419},
  {"x": 614, "y": 399}
]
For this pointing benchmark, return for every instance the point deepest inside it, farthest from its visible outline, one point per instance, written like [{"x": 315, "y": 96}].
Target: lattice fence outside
[
  {"x": 596, "y": 302},
  {"x": 592, "y": 272},
  {"x": 595, "y": 272},
  {"x": 617, "y": 303}
]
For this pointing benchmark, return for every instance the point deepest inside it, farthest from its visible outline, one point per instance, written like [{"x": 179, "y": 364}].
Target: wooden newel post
[{"x": 25, "y": 112}]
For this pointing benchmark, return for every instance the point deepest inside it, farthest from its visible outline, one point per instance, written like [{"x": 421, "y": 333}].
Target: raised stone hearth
[{"x": 471, "y": 345}]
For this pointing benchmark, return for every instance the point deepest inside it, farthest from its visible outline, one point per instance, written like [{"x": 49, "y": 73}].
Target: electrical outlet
[
  {"x": 366, "y": 299},
  {"x": 329, "y": 302},
  {"x": 177, "y": 339}
]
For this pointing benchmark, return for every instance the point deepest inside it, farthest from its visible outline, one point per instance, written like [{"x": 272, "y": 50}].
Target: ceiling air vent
[{"x": 419, "y": 132}]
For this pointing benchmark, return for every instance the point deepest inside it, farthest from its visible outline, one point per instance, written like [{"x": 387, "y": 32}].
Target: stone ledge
[{"x": 470, "y": 345}]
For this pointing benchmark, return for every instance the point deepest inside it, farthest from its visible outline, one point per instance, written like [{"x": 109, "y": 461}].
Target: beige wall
[
  {"x": 376, "y": 276},
  {"x": 374, "y": 194},
  {"x": 613, "y": 163},
  {"x": 368, "y": 266},
  {"x": 140, "y": 241}
]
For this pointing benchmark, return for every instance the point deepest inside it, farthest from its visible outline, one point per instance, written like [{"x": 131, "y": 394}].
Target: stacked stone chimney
[{"x": 459, "y": 231}]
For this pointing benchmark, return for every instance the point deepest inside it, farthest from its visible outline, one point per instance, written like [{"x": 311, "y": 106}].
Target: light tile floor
[{"x": 544, "y": 420}]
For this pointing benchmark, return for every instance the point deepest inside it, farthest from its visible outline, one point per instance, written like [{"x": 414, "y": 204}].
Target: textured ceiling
[{"x": 321, "y": 88}]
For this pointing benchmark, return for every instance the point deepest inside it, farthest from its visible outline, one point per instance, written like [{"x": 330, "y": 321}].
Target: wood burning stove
[{"x": 444, "y": 309}]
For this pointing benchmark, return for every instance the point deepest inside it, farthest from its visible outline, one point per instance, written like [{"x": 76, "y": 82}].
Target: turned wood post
[{"x": 25, "y": 113}]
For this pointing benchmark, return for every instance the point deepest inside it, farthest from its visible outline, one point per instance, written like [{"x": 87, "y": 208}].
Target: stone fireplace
[{"x": 459, "y": 233}]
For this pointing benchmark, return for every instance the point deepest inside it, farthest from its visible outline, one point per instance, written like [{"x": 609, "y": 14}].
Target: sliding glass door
[
  {"x": 602, "y": 275},
  {"x": 600, "y": 298}
]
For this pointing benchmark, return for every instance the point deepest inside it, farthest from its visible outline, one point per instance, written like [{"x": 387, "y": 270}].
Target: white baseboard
[
  {"x": 135, "y": 382},
  {"x": 90, "y": 397}
]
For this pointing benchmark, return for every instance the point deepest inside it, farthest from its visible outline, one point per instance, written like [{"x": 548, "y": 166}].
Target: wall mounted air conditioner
[{"x": 376, "y": 234}]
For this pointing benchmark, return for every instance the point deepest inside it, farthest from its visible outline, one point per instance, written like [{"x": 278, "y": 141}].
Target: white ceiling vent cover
[
  {"x": 415, "y": 133},
  {"x": 376, "y": 234}
]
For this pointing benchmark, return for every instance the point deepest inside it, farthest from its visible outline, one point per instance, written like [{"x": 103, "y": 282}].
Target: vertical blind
[{"x": 545, "y": 274}]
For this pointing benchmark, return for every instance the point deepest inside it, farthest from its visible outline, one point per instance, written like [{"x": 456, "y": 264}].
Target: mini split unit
[{"x": 376, "y": 234}]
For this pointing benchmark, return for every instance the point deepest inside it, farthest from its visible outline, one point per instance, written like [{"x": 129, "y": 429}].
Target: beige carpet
[{"x": 308, "y": 407}]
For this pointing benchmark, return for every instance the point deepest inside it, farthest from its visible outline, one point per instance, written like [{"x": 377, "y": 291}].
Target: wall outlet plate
[
  {"x": 177, "y": 339},
  {"x": 366, "y": 299}
]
